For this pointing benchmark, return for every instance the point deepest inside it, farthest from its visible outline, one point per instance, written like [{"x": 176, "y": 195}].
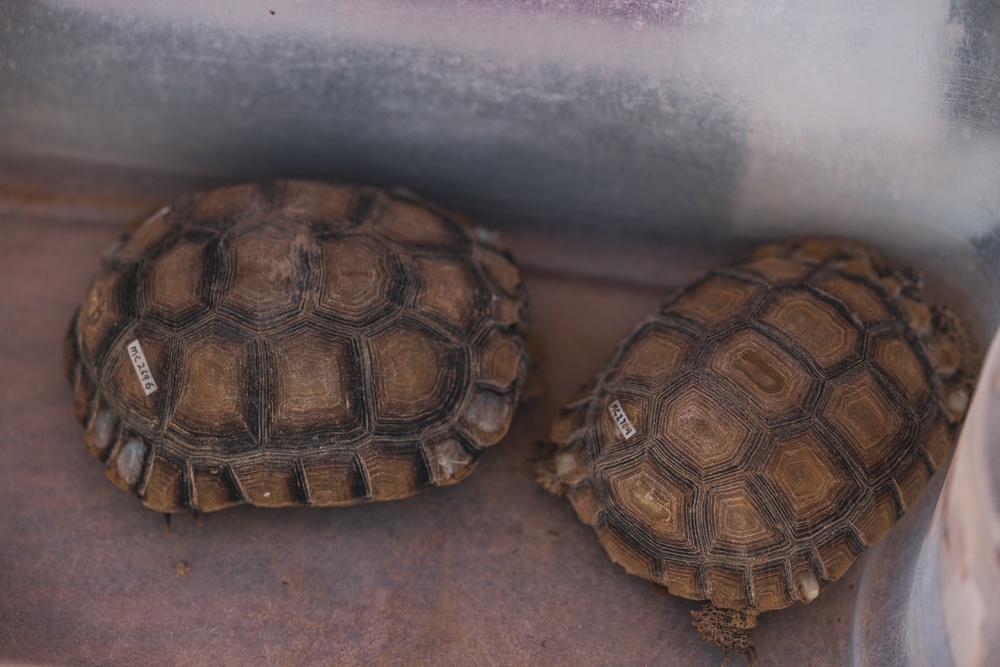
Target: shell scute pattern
[
  {"x": 311, "y": 343},
  {"x": 788, "y": 409}
]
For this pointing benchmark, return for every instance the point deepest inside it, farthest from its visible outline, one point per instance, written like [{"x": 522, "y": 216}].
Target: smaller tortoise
[
  {"x": 297, "y": 343},
  {"x": 757, "y": 431}
]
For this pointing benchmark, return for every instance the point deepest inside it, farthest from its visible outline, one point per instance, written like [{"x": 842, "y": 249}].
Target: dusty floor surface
[{"x": 492, "y": 571}]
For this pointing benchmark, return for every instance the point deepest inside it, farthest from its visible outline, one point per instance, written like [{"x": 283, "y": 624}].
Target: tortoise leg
[
  {"x": 545, "y": 470},
  {"x": 729, "y": 629}
]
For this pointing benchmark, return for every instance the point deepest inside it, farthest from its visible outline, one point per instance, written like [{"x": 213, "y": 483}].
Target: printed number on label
[
  {"x": 141, "y": 367},
  {"x": 621, "y": 420}
]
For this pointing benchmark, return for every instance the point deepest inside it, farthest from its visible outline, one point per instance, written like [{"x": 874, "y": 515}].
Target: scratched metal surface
[{"x": 490, "y": 571}]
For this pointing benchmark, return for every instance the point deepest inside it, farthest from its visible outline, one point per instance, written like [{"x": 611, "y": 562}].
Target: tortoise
[
  {"x": 757, "y": 431},
  {"x": 297, "y": 343}
]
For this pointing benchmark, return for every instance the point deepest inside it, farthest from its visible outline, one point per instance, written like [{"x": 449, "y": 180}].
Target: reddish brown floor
[{"x": 492, "y": 571}]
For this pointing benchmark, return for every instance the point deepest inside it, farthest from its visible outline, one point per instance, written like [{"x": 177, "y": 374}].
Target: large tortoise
[
  {"x": 297, "y": 343},
  {"x": 757, "y": 431}
]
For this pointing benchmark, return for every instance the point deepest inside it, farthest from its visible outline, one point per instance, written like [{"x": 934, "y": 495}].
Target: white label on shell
[
  {"x": 141, "y": 367},
  {"x": 621, "y": 420}
]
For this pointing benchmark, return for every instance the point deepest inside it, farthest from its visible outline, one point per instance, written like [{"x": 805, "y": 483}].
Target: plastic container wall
[
  {"x": 700, "y": 120},
  {"x": 927, "y": 594}
]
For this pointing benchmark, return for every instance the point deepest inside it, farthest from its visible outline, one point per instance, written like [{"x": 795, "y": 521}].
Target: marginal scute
[
  {"x": 450, "y": 461},
  {"x": 212, "y": 487},
  {"x": 394, "y": 474},
  {"x": 585, "y": 503},
  {"x": 911, "y": 483},
  {"x": 944, "y": 354},
  {"x": 816, "y": 251},
  {"x": 681, "y": 579},
  {"x": 222, "y": 205},
  {"x": 507, "y": 312},
  {"x": 414, "y": 224},
  {"x": 878, "y": 516},
  {"x": 501, "y": 271},
  {"x": 271, "y": 485},
  {"x": 609, "y": 431},
  {"x": 837, "y": 555},
  {"x": 860, "y": 298},
  {"x": 566, "y": 426},
  {"x": 896, "y": 358},
  {"x": 84, "y": 389},
  {"x": 100, "y": 312},
  {"x": 500, "y": 360},
  {"x": 918, "y": 316},
  {"x": 488, "y": 416},
  {"x": 166, "y": 483},
  {"x": 769, "y": 588},
  {"x": 331, "y": 477},
  {"x": 862, "y": 267},
  {"x": 625, "y": 553},
  {"x": 152, "y": 230},
  {"x": 778, "y": 270},
  {"x": 321, "y": 204},
  {"x": 716, "y": 300},
  {"x": 938, "y": 442},
  {"x": 727, "y": 588}
]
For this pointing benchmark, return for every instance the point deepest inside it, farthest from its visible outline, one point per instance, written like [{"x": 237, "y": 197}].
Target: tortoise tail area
[{"x": 729, "y": 629}]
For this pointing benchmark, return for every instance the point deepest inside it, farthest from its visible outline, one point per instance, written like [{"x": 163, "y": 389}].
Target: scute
[
  {"x": 654, "y": 501},
  {"x": 763, "y": 372},
  {"x": 211, "y": 396},
  {"x": 808, "y": 479},
  {"x": 815, "y": 326},
  {"x": 702, "y": 430},
  {"x": 788, "y": 408},
  {"x": 313, "y": 374},
  {"x": 414, "y": 372},
  {"x": 264, "y": 283},
  {"x": 310, "y": 343},
  {"x": 358, "y": 277}
]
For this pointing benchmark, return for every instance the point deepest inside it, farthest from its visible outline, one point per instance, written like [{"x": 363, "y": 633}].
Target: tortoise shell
[
  {"x": 297, "y": 343},
  {"x": 757, "y": 431}
]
